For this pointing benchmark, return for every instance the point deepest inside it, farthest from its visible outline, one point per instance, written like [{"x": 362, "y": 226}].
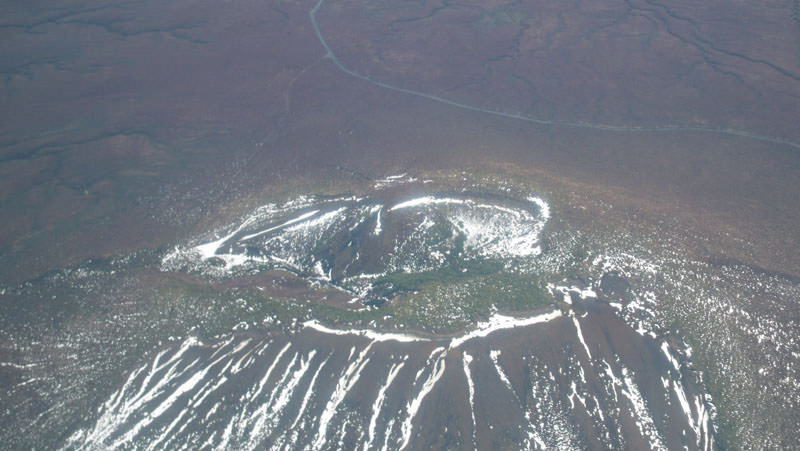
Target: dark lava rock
[{"x": 614, "y": 284}]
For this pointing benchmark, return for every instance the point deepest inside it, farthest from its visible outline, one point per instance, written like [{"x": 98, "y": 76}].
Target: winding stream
[{"x": 588, "y": 125}]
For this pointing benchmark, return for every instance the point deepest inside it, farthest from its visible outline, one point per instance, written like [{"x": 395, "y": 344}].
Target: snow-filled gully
[
  {"x": 326, "y": 388},
  {"x": 552, "y": 379}
]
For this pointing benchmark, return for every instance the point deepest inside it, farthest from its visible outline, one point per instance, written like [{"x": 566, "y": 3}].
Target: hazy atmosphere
[{"x": 340, "y": 224}]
